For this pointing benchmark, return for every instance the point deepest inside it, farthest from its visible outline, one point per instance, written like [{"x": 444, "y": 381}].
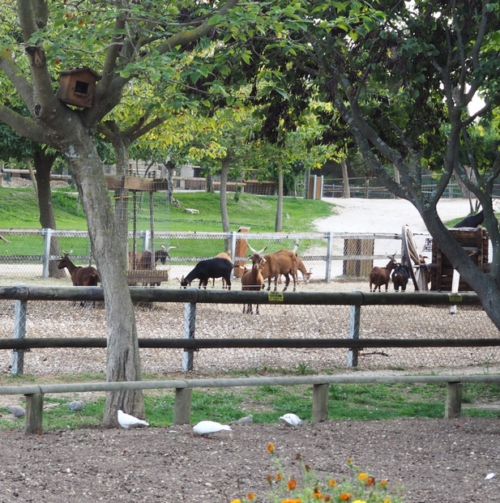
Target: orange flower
[
  {"x": 363, "y": 476},
  {"x": 250, "y": 496},
  {"x": 345, "y": 496},
  {"x": 317, "y": 495},
  {"x": 370, "y": 481},
  {"x": 332, "y": 482},
  {"x": 383, "y": 483},
  {"x": 279, "y": 476},
  {"x": 291, "y": 501},
  {"x": 291, "y": 484},
  {"x": 328, "y": 498},
  {"x": 270, "y": 448}
]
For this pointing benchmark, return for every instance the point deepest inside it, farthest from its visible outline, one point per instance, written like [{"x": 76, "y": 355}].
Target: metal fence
[
  {"x": 304, "y": 317},
  {"x": 25, "y": 254}
]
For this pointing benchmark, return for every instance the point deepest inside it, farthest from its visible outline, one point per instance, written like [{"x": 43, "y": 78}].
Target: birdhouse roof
[{"x": 83, "y": 69}]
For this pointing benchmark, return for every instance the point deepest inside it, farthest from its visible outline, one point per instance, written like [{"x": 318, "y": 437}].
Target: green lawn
[
  {"x": 267, "y": 403},
  {"x": 19, "y": 210}
]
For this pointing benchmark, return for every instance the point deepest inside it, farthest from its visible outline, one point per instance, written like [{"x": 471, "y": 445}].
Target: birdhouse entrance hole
[{"x": 81, "y": 88}]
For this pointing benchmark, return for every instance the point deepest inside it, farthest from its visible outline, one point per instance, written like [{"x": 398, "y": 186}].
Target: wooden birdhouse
[{"x": 77, "y": 87}]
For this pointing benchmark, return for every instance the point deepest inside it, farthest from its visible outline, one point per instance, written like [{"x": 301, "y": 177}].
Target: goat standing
[
  {"x": 381, "y": 275},
  {"x": 80, "y": 276},
  {"x": 400, "y": 277},
  {"x": 252, "y": 280},
  {"x": 207, "y": 269}
]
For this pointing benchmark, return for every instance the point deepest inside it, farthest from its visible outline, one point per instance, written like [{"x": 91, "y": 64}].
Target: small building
[{"x": 77, "y": 87}]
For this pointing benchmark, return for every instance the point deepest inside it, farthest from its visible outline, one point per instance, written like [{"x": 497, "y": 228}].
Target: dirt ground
[{"x": 444, "y": 461}]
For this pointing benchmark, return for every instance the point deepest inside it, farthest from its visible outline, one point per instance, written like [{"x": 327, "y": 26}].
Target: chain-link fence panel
[{"x": 26, "y": 256}]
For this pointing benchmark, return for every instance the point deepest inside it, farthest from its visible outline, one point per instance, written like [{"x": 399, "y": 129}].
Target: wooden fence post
[
  {"x": 189, "y": 330},
  {"x": 34, "y": 414},
  {"x": 320, "y": 403},
  {"x": 453, "y": 400},
  {"x": 182, "y": 408}
]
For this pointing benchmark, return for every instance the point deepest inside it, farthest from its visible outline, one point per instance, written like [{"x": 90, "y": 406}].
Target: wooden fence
[
  {"x": 183, "y": 391},
  {"x": 183, "y": 387}
]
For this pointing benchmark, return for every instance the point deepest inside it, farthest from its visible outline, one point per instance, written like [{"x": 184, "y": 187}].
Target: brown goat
[
  {"x": 381, "y": 275},
  {"x": 306, "y": 275},
  {"x": 80, "y": 276},
  {"x": 281, "y": 262},
  {"x": 143, "y": 261},
  {"x": 252, "y": 279}
]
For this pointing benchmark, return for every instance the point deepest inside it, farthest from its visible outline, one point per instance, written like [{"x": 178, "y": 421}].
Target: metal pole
[
  {"x": 354, "y": 320},
  {"x": 329, "y": 252},
  {"x": 47, "y": 235},
  {"x": 20, "y": 308},
  {"x": 189, "y": 330}
]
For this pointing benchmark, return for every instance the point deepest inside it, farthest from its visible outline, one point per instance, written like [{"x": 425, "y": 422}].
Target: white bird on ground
[
  {"x": 206, "y": 428},
  {"x": 244, "y": 420},
  {"x": 126, "y": 420},
  {"x": 76, "y": 405},
  {"x": 16, "y": 410},
  {"x": 291, "y": 420}
]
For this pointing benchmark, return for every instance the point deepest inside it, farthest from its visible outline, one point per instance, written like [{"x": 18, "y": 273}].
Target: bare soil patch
[{"x": 435, "y": 461}]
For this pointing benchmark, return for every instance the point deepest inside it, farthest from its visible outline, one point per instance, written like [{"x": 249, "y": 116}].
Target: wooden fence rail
[
  {"x": 183, "y": 391},
  {"x": 192, "y": 296}
]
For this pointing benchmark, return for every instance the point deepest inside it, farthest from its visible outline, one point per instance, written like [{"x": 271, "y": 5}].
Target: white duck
[
  {"x": 291, "y": 420},
  {"x": 126, "y": 420},
  {"x": 206, "y": 428}
]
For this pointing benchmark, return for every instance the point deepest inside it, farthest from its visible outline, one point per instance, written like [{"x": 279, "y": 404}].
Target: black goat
[
  {"x": 471, "y": 220},
  {"x": 400, "y": 277},
  {"x": 211, "y": 268}
]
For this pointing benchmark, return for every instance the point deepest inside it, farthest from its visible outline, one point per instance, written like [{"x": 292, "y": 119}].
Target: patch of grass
[
  {"x": 19, "y": 210},
  {"x": 360, "y": 402}
]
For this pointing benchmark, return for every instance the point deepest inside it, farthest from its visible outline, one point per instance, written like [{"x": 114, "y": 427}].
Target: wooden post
[
  {"x": 354, "y": 320},
  {"x": 182, "y": 408},
  {"x": 189, "y": 330},
  {"x": 453, "y": 400},
  {"x": 34, "y": 414},
  {"x": 320, "y": 403}
]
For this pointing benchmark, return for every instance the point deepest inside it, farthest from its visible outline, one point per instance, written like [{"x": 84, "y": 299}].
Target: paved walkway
[{"x": 384, "y": 215}]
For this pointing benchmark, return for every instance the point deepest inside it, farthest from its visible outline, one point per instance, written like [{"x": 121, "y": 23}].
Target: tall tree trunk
[
  {"x": 279, "y": 207},
  {"x": 170, "y": 166},
  {"x": 109, "y": 249},
  {"x": 210, "y": 181},
  {"x": 226, "y": 162},
  {"x": 43, "y": 164},
  {"x": 346, "y": 193}
]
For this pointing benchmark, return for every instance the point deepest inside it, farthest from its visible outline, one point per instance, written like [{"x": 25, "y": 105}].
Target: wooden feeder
[
  {"x": 77, "y": 87},
  {"x": 475, "y": 241}
]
